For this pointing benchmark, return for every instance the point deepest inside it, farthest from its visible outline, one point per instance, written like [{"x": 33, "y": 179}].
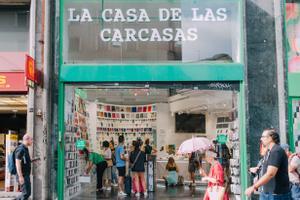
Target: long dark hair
[{"x": 273, "y": 134}]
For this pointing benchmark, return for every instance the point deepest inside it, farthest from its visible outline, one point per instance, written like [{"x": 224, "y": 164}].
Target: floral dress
[{"x": 216, "y": 171}]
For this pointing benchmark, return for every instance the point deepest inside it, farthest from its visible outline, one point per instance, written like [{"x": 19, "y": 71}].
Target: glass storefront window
[
  {"x": 126, "y": 31},
  {"x": 14, "y": 30},
  {"x": 293, "y": 35}
]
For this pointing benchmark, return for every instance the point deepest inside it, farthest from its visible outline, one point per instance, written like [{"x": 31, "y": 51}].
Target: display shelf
[{"x": 132, "y": 121}]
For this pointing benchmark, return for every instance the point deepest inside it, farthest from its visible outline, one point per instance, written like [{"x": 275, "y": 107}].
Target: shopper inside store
[{"x": 151, "y": 142}]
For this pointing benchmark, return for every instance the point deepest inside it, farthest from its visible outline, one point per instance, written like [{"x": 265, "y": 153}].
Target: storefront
[
  {"x": 145, "y": 68},
  {"x": 293, "y": 75},
  {"x": 13, "y": 107}
]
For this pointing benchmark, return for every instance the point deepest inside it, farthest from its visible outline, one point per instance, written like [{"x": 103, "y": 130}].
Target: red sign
[
  {"x": 12, "y": 82},
  {"x": 31, "y": 73}
]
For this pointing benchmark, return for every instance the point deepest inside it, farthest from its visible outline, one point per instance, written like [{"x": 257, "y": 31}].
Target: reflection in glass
[{"x": 152, "y": 31}]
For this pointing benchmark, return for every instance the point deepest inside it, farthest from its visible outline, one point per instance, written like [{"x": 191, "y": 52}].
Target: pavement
[{"x": 9, "y": 195}]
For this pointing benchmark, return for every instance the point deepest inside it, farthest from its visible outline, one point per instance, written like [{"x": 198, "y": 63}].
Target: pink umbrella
[{"x": 194, "y": 144}]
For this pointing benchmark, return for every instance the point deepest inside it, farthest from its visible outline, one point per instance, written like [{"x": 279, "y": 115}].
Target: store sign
[
  {"x": 134, "y": 15},
  {"x": 12, "y": 82},
  {"x": 121, "y": 31},
  {"x": 80, "y": 144}
]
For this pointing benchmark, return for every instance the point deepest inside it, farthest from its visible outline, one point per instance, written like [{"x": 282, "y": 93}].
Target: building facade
[{"x": 122, "y": 53}]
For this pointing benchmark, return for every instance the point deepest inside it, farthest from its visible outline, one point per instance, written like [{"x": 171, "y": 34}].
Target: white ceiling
[
  {"x": 13, "y": 103},
  {"x": 185, "y": 101}
]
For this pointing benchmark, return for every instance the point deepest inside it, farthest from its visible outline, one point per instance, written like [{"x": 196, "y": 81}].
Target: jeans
[
  {"x": 100, "y": 168},
  {"x": 25, "y": 188},
  {"x": 114, "y": 176},
  {"x": 267, "y": 196},
  {"x": 295, "y": 190}
]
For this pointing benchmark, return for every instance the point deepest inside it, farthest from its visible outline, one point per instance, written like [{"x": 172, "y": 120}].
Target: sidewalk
[{"x": 8, "y": 195}]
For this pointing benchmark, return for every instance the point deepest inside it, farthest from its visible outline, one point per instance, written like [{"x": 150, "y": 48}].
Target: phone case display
[
  {"x": 76, "y": 128},
  {"x": 72, "y": 168},
  {"x": 235, "y": 165},
  {"x": 296, "y": 122},
  {"x": 131, "y": 121}
]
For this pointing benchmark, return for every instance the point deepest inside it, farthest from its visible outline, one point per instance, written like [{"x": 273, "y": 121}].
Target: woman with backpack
[{"x": 137, "y": 161}]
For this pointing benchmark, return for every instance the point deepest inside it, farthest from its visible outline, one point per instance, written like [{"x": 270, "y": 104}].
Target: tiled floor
[{"x": 161, "y": 193}]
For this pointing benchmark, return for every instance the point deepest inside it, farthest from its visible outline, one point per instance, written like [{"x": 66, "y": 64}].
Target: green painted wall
[{"x": 294, "y": 84}]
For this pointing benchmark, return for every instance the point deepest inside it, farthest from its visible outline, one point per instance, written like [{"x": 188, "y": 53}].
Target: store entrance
[
  {"x": 165, "y": 115},
  {"x": 13, "y": 115}
]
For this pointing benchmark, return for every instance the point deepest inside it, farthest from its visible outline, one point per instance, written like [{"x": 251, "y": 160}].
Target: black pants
[
  {"x": 100, "y": 168},
  {"x": 25, "y": 188}
]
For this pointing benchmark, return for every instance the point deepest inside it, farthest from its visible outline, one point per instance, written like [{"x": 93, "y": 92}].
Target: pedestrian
[
  {"x": 93, "y": 158},
  {"x": 149, "y": 150},
  {"x": 121, "y": 165},
  {"x": 172, "y": 178},
  {"x": 215, "y": 178},
  {"x": 192, "y": 167},
  {"x": 23, "y": 166},
  {"x": 107, "y": 173},
  {"x": 114, "y": 177},
  {"x": 286, "y": 148},
  {"x": 294, "y": 175},
  {"x": 137, "y": 162},
  {"x": 275, "y": 179},
  {"x": 257, "y": 171}
]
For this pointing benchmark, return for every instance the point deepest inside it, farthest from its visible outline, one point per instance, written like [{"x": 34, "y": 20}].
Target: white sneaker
[
  {"x": 137, "y": 194},
  {"x": 108, "y": 188},
  {"x": 115, "y": 185},
  {"x": 103, "y": 188},
  {"x": 145, "y": 194},
  {"x": 122, "y": 194},
  {"x": 132, "y": 192}
]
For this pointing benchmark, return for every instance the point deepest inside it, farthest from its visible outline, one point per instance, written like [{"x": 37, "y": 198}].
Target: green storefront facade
[
  {"x": 79, "y": 18},
  {"x": 293, "y": 70}
]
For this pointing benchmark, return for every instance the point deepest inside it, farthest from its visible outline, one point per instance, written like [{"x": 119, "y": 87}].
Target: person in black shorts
[
  {"x": 121, "y": 164},
  {"x": 275, "y": 180}
]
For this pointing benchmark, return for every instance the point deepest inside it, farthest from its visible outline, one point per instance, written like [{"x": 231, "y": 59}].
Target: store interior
[
  {"x": 165, "y": 115},
  {"x": 13, "y": 112}
]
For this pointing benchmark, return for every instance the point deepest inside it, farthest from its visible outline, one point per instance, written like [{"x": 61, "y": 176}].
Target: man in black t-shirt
[
  {"x": 275, "y": 179},
  {"x": 23, "y": 165}
]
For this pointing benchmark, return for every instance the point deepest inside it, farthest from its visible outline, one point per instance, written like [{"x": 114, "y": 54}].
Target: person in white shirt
[{"x": 108, "y": 157}]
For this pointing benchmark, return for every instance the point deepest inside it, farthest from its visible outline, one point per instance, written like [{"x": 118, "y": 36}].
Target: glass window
[
  {"x": 123, "y": 31},
  {"x": 293, "y": 35},
  {"x": 14, "y": 29}
]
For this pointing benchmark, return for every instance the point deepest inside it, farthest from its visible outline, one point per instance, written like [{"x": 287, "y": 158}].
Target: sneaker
[
  {"x": 108, "y": 188},
  {"x": 137, "y": 194},
  {"x": 115, "y": 185},
  {"x": 122, "y": 194},
  {"x": 103, "y": 188},
  {"x": 132, "y": 192},
  {"x": 145, "y": 194}
]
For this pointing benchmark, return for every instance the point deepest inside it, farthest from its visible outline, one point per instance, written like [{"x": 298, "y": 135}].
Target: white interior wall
[
  {"x": 92, "y": 125},
  {"x": 166, "y": 127}
]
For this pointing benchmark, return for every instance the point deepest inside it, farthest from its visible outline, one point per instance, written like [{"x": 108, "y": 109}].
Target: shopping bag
[
  {"x": 216, "y": 192},
  {"x": 84, "y": 179}
]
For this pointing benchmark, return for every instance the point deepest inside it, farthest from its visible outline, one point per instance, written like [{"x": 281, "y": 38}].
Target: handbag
[
  {"x": 137, "y": 157},
  {"x": 216, "y": 192}
]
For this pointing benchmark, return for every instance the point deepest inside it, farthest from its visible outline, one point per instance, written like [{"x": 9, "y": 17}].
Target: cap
[{"x": 285, "y": 146}]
